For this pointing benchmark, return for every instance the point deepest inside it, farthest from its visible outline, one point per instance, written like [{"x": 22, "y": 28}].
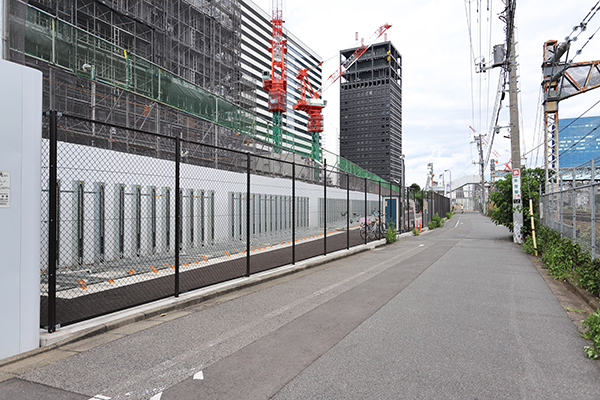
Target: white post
[{"x": 20, "y": 196}]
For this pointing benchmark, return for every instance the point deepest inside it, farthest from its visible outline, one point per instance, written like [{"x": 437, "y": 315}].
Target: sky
[{"x": 442, "y": 95}]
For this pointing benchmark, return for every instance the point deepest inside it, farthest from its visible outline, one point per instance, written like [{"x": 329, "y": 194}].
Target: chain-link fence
[
  {"x": 434, "y": 203},
  {"x": 130, "y": 216},
  {"x": 573, "y": 212}
]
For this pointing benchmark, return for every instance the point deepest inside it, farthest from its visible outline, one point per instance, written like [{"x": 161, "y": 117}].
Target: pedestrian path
[{"x": 460, "y": 312}]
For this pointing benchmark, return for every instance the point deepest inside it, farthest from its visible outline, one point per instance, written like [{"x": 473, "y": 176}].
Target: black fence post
[
  {"x": 52, "y": 247},
  {"x": 379, "y": 206},
  {"x": 324, "y": 207},
  {"x": 366, "y": 218},
  {"x": 293, "y": 212},
  {"x": 177, "y": 212},
  {"x": 248, "y": 243},
  {"x": 347, "y": 211},
  {"x": 389, "y": 217}
]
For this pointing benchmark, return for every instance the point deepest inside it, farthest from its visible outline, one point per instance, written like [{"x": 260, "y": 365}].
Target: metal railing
[
  {"x": 573, "y": 212},
  {"x": 130, "y": 216}
]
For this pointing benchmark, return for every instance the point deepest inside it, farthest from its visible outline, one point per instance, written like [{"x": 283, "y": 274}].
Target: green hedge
[{"x": 563, "y": 258}]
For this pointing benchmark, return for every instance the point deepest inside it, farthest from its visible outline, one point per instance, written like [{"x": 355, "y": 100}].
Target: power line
[{"x": 580, "y": 140}]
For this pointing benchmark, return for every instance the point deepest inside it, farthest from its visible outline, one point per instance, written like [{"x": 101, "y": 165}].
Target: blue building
[{"x": 579, "y": 140}]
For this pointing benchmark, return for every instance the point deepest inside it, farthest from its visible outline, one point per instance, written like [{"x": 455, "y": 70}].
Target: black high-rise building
[{"x": 371, "y": 111}]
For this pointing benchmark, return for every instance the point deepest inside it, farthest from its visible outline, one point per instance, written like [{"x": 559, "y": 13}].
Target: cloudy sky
[{"x": 442, "y": 94}]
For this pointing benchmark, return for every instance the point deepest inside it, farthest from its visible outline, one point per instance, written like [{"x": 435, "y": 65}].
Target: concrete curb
[
  {"x": 590, "y": 299},
  {"x": 105, "y": 323}
]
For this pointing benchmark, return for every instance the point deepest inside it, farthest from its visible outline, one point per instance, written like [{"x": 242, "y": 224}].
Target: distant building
[
  {"x": 256, "y": 34},
  {"x": 579, "y": 140},
  {"x": 371, "y": 111},
  {"x": 161, "y": 66}
]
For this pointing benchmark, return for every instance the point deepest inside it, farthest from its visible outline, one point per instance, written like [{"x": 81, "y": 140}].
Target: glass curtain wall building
[
  {"x": 579, "y": 141},
  {"x": 371, "y": 111}
]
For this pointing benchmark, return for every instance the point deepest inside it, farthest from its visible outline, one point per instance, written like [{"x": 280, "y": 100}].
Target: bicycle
[
  {"x": 375, "y": 228},
  {"x": 355, "y": 217}
]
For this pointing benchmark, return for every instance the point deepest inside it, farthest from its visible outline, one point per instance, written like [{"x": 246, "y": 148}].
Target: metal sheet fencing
[
  {"x": 130, "y": 217},
  {"x": 573, "y": 213}
]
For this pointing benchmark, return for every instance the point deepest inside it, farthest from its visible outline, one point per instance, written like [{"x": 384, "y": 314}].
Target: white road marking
[
  {"x": 421, "y": 245},
  {"x": 457, "y": 222},
  {"x": 156, "y": 396},
  {"x": 199, "y": 375},
  {"x": 100, "y": 397}
]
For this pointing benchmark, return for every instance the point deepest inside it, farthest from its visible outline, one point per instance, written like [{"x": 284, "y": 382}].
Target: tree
[
  {"x": 416, "y": 190},
  {"x": 501, "y": 202}
]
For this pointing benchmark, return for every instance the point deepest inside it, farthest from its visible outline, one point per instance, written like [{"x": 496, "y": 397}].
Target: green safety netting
[{"x": 53, "y": 40}]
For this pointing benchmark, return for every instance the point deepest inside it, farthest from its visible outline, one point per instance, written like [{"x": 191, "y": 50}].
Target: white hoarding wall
[{"x": 118, "y": 206}]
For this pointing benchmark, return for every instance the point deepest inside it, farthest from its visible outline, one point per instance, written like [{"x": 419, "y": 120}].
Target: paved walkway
[{"x": 458, "y": 313}]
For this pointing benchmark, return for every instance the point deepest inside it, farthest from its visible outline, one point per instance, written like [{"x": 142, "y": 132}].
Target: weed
[
  {"x": 572, "y": 309},
  {"x": 436, "y": 222},
  {"x": 592, "y": 323},
  {"x": 390, "y": 235},
  {"x": 415, "y": 232}
]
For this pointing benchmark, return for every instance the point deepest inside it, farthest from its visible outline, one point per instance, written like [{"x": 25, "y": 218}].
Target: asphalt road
[{"x": 458, "y": 313}]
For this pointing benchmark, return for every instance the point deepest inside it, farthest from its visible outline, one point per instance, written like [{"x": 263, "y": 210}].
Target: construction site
[{"x": 156, "y": 162}]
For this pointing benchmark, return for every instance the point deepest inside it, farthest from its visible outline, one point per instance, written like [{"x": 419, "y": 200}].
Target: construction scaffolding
[{"x": 170, "y": 67}]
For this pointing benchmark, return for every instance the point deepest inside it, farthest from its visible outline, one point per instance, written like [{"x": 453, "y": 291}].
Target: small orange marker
[
  {"x": 196, "y": 262},
  {"x": 131, "y": 271},
  {"x": 172, "y": 267},
  {"x": 111, "y": 281}
]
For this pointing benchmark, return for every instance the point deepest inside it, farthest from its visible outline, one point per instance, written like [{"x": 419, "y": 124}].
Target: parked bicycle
[
  {"x": 375, "y": 228},
  {"x": 354, "y": 218}
]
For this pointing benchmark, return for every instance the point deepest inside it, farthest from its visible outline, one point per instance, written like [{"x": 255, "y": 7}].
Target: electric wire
[
  {"x": 468, "y": 16},
  {"x": 572, "y": 122}
]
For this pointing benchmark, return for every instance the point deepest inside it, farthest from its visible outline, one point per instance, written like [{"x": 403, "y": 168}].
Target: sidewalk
[{"x": 460, "y": 312}]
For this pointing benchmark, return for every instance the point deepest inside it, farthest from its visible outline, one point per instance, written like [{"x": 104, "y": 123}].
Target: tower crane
[
  {"x": 311, "y": 102},
  {"x": 274, "y": 81}
]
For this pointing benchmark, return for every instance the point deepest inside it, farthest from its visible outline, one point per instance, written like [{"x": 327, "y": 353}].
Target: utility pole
[
  {"x": 479, "y": 142},
  {"x": 514, "y": 121}
]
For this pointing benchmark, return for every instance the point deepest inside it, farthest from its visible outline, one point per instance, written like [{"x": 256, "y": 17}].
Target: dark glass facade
[{"x": 371, "y": 111}]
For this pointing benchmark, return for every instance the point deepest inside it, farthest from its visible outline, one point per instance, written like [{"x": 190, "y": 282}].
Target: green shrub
[
  {"x": 449, "y": 214},
  {"x": 415, "y": 232},
  {"x": 588, "y": 275},
  {"x": 390, "y": 236},
  {"x": 592, "y": 324},
  {"x": 528, "y": 245},
  {"x": 436, "y": 222}
]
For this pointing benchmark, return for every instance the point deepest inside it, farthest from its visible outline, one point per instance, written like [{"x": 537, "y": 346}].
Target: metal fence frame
[
  {"x": 572, "y": 212},
  {"x": 339, "y": 209}
]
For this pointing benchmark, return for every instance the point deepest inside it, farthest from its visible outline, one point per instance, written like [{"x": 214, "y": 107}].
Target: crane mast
[
  {"x": 310, "y": 99},
  {"x": 274, "y": 81}
]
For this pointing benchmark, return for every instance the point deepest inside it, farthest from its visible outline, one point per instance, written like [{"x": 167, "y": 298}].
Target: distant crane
[
  {"x": 274, "y": 81},
  {"x": 310, "y": 99}
]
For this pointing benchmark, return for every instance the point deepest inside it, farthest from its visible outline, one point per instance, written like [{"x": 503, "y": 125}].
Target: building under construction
[{"x": 174, "y": 67}]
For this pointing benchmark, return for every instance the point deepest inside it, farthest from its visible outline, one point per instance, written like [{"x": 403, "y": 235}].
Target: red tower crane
[
  {"x": 274, "y": 81},
  {"x": 310, "y": 101}
]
